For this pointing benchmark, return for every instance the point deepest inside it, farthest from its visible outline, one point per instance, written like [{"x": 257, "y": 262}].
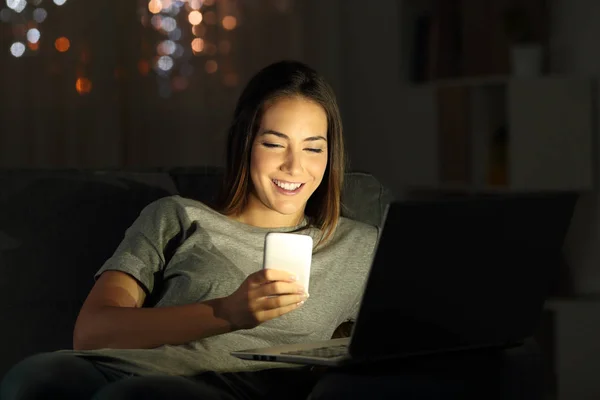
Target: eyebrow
[{"x": 284, "y": 136}]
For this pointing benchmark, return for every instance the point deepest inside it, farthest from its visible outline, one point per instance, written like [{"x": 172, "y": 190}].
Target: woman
[{"x": 185, "y": 286}]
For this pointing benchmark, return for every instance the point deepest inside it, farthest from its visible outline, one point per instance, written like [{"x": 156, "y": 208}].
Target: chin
[{"x": 287, "y": 209}]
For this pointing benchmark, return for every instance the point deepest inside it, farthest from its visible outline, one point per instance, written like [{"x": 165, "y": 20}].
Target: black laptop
[{"x": 449, "y": 275}]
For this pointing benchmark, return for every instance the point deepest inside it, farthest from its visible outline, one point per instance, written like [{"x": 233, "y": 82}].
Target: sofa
[{"x": 57, "y": 227}]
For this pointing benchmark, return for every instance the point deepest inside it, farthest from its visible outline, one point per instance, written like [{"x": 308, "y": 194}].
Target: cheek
[
  {"x": 261, "y": 163},
  {"x": 318, "y": 167},
  {"x": 255, "y": 168}
]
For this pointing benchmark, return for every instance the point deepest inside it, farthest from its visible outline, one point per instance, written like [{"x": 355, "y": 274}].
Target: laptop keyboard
[{"x": 321, "y": 352}]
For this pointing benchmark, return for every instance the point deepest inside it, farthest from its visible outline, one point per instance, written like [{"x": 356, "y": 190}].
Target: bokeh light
[
  {"x": 168, "y": 24},
  {"x": 229, "y": 22},
  {"x": 39, "y": 15},
  {"x": 211, "y": 66},
  {"x": 33, "y": 35},
  {"x": 195, "y": 4},
  {"x": 155, "y": 6},
  {"x": 17, "y": 49},
  {"x": 144, "y": 67},
  {"x": 197, "y": 45},
  {"x": 16, "y": 5},
  {"x": 199, "y": 30},
  {"x": 166, "y": 47},
  {"x": 194, "y": 39},
  {"x": 165, "y": 63},
  {"x": 83, "y": 85},
  {"x": 195, "y": 17},
  {"x": 5, "y": 14},
  {"x": 175, "y": 34},
  {"x": 62, "y": 44}
]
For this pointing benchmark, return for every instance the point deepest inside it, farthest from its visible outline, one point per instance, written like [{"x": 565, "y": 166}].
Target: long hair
[{"x": 281, "y": 80}]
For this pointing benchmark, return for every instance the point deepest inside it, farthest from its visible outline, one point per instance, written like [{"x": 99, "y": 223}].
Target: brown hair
[{"x": 279, "y": 80}]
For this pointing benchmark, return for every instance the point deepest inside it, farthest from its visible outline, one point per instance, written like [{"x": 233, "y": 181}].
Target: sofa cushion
[
  {"x": 56, "y": 229},
  {"x": 363, "y": 197}
]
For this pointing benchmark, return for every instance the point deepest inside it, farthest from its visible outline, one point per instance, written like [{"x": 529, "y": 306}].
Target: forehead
[{"x": 294, "y": 115}]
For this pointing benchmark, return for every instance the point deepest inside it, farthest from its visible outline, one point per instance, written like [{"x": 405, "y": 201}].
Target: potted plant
[{"x": 526, "y": 52}]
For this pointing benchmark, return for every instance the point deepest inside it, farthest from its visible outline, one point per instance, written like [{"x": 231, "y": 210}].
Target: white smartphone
[{"x": 289, "y": 252}]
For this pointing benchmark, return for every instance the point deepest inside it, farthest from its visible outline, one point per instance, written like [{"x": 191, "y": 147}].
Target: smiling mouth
[{"x": 288, "y": 186}]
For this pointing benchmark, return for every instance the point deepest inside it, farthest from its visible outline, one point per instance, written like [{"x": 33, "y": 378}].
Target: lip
[
  {"x": 282, "y": 181},
  {"x": 287, "y": 192}
]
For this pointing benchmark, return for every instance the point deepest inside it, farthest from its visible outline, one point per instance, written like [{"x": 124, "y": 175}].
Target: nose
[{"x": 292, "y": 164}]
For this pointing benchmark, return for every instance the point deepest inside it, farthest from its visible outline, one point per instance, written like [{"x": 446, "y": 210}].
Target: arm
[{"x": 112, "y": 317}]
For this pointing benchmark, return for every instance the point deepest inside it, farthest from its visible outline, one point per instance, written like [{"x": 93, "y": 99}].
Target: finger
[
  {"x": 277, "y": 312},
  {"x": 279, "y": 288},
  {"x": 270, "y": 275},
  {"x": 274, "y": 302}
]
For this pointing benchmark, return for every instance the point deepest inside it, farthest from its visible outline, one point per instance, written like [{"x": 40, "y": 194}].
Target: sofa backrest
[
  {"x": 363, "y": 197},
  {"x": 58, "y": 227}
]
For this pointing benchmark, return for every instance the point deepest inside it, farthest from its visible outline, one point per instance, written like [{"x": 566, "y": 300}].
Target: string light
[
  {"x": 26, "y": 17},
  {"x": 190, "y": 29},
  {"x": 195, "y": 39}
]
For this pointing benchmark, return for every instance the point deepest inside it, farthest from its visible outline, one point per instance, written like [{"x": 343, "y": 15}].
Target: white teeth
[{"x": 287, "y": 186}]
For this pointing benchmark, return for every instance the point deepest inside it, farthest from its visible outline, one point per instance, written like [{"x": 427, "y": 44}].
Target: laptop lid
[{"x": 460, "y": 273}]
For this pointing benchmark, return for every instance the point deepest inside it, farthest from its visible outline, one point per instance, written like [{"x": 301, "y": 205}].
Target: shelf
[
  {"x": 497, "y": 134},
  {"x": 556, "y": 303},
  {"x": 483, "y": 81},
  {"x": 449, "y": 40},
  {"x": 460, "y": 188}
]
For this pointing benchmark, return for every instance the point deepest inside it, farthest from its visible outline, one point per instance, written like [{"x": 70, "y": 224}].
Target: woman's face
[{"x": 289, "y": 155}]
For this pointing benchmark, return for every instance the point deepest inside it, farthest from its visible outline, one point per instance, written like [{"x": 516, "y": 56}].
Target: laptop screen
[{"x": 461, "y": 272}]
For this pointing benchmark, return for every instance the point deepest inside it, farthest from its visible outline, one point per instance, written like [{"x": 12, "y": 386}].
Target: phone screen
[{"x": 289, "y": 252}]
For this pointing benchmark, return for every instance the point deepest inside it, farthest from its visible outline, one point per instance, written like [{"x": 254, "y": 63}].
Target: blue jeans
[{"x": 64, "y": 376}]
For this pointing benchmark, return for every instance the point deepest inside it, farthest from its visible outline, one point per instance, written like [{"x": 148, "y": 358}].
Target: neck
[{"x": 257, "y": 214}]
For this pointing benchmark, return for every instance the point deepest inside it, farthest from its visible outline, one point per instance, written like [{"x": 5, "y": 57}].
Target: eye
[
  {"x": 315, "y": 150},
  {"x": 271, "y": 145}
]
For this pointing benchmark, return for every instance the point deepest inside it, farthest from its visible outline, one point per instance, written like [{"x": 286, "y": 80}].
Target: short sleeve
[{"x": 143, "y": 251}]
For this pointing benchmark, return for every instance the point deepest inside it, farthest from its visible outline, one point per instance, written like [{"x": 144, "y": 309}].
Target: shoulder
[
  {"x": 360, "y": 230},
  {"x": 177, "y": 210},
  {"x": 176, "y": 204},
  {"x": 351, "y": 235},
  {"x": 349, "y": 252}
]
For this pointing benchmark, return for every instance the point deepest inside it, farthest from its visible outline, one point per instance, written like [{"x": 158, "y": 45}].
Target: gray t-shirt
[{"x": 182, "y": 252}]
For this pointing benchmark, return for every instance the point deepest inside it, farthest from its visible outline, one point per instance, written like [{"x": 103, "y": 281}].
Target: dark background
[{"x": 427, "y": 89}]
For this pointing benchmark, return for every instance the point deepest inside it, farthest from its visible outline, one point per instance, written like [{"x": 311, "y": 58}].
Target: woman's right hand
[{"x": 264, "y": 295}]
